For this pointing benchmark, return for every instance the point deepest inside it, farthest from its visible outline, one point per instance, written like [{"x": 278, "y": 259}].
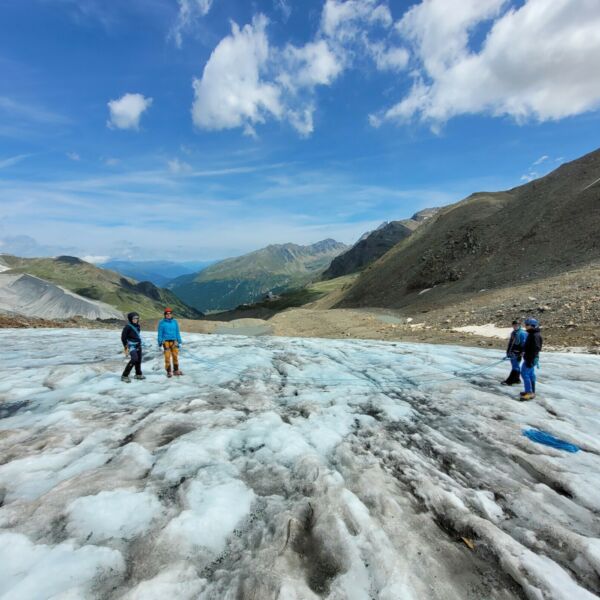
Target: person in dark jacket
[
  {"x": 132, "y": 346},
  {"x": 531, "y": 352},
  {"x": 514, "y": 352}
]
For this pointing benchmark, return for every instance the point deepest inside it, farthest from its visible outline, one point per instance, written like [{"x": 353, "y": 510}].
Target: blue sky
[{"x": 199, "y": 129}]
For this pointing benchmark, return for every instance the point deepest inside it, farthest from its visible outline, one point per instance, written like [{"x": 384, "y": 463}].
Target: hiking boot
[
  {"x": 527, "y": 396},
  {"x": 512, "y": 378},
  {"x": 169, "y": 374},
  {"x": 125, "y": 379},
  {"x": 178, "y": 372},
  {"x": 140, "y": 376}
]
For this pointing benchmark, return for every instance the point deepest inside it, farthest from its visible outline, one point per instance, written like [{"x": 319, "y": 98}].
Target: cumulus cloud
[
  {"x": 537, "y": 62},
  {"x": 73, "y": 156},
  {"x": 189, "y": 11},
  {"x": 247, "y": 80},
  {"x": 363, "y": 28},
  {"x": 234, "y": 90},
  {"x": 343, "y": 19},
  {"x": 125, "y": 113}
]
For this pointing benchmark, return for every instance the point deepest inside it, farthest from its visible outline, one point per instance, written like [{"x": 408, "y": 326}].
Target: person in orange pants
[{"x": 169, "y": 339}]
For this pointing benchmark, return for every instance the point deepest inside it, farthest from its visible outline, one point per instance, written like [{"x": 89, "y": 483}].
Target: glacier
[{"x": 287, "y": 468}]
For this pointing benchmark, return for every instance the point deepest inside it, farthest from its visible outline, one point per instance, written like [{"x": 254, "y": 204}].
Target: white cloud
[
  {"x": 310, "y": 65},
  {"x": 178, "y": 166},
  {"x": 538, "y": 61},
  {"x": 12, "y": 160},
  {"x": 389, "y": 59},
  {"x": 247, "y": 81},
  {"x": 344, "y": 20},
  {"x": 111, "y": 162},
  {"x": 362, "y": 28},
  {"x": 232, "y": 91},
  {"x": 539, "y": 169},
  {"x": 189, "y": 11},
  {"x": 73, "y": 156},
  {"x": 125, "y": 113},
  {"x": 95, "y": 259}
]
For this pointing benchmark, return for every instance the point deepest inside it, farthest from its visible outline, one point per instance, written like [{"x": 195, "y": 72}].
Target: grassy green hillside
[
  {"x": 107, "y": 286},
  {"x": 247, "y": 278}
]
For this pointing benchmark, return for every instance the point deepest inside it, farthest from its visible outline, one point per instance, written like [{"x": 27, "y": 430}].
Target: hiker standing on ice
[
  {"x": 169, "y": 339},
  {"x": 132, "y": 346},
  {"x": 531, "y": 352},
  {"x": 514, "y": 352}
]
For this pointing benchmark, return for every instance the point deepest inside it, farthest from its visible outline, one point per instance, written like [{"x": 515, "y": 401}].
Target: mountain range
[
  {"x": 491, "y": 240},
  {"x": 372, "y": 245},
  {"x": 93, "y": 283},
  {"x": 159, "y": 272},
  {"x": 246, "y": 278}
]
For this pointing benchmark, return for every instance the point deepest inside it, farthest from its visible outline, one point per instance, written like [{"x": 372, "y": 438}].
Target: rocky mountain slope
[
  {"x": 99, "y": 285},
  {"x": 246, "y": 278},
  {"x": 491, "y": 241},
  {"x": 24, "y": 294},
  {"x": 375, "y": 244}
]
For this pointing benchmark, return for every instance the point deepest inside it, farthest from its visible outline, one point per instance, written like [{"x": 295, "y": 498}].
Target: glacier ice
[{"x": 293, "y": 468}]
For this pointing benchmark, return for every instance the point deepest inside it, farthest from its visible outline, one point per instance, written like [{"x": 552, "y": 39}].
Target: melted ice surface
[{"x": 292, "y": 469}]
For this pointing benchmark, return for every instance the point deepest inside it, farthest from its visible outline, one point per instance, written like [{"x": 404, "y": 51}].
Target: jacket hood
[{"x": 131, "y": 315}]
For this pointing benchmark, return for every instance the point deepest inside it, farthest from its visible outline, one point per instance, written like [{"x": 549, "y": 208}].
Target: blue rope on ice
[{"x": 541, "y": 437}]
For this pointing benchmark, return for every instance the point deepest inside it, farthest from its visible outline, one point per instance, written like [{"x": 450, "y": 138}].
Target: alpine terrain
[
  {"x": 67, "y": 286},
  {"x": 375, "y": 244},
  {"x": 247, "y": 278},
  {"x": 159, "y": 272},
  {"x": 537, "y": 233}
]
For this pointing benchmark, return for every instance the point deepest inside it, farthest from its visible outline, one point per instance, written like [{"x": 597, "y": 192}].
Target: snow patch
[
  {"x": 488, "y": 330},
  {"x": 116, "y": 514},
  {"x": 213, "y": 513},
  {"x": 39, "y": 572}
]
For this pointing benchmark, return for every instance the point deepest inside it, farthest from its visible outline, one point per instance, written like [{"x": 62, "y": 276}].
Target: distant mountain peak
[
  {"x": 374, "y": 244},
  {"x": 246, "y": 278}
]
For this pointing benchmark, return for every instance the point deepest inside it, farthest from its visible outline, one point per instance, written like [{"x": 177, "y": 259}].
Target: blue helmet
[{"x": 531, "y": 321}]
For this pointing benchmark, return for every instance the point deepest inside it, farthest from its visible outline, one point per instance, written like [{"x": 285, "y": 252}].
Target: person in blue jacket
[
  {"x": 514, "y": 352},
  {"x": 132, "y": 346},
  {"x": 531, "y": 353},
  {"x": 169, "y": 339}
]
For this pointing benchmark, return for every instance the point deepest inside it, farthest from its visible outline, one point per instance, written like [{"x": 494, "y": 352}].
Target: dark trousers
[{"x": 135, "y": 360}]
